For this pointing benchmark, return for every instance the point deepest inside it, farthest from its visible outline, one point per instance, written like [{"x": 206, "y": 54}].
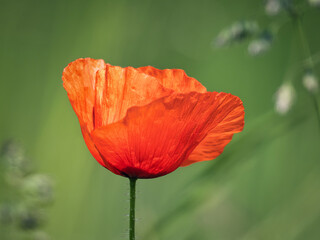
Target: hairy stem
[{"x": 132, "y": 208}]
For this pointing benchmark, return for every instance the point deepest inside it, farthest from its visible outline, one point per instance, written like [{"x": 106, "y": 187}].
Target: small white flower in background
[
  {"x": 314, "y": 3},
  {"x": 259, "y": 46},
  {"x": 310, "y": 82},
  {"x": 237, "y": 32},
  {"x": 273, "y": 7},
  {"x": 285, "y": 97}
]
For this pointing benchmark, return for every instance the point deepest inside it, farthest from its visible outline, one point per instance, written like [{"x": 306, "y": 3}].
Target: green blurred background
[{"x": 266, "y": 185}]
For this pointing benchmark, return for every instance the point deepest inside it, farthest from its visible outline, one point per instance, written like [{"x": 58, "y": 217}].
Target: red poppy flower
[{"x": 145, "y": 122}]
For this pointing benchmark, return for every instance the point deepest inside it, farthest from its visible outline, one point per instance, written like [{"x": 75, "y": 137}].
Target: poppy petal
[
  {"x": 153, "y": 140},
  {"x": 101, "y": 94},
  {"x": 118, "y": 89},
  {"x": 79, "y": 79},
  {"x": 93, "y": 150},
  {"x": 213, "y": 144},
  {"x": 175, "y": 79}
]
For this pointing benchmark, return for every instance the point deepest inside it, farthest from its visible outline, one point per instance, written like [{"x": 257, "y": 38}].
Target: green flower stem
[
  {"x": 304, "y": 43},
  {"x": 310, "y": 64},
  {"x": 132, "y": 208}
]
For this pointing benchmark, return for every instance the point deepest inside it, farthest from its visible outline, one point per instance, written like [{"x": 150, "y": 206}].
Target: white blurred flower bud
[
  {"x": 17, "y": 165},
  {"x": 237, "y": 32},
  {"x": 259, "y": 46},
  {"x": 273, "y": 7},
  {"x": 310, "y": 82},
  {"x": 285, "y": 97},
  {"x": 223, "y": 38},
  {"x": 38, "y": 188},
  {"x": 314, "y": 3}
]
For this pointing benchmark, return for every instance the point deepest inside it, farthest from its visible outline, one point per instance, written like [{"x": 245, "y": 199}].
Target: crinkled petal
[
  {"x": 93, "y": 150},
  {"x": 153, "y": 140},
  {"x": 213, "y": 144},
  {"x": 79, "y": 79},
  {"x": 175, "y": 79},
  {"x": 101, "y": 94},
  {"x": 118, "y": 89}
]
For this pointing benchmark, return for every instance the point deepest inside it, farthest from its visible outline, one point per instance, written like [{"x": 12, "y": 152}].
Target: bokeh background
[{"x": 264, "y": 186}]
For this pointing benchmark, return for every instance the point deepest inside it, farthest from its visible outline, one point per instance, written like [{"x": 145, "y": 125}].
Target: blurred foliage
[
  {"x": 26, "y": 193},
  {"x": 242, "y": 30},
  {"x": 266, "y": 183}
]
